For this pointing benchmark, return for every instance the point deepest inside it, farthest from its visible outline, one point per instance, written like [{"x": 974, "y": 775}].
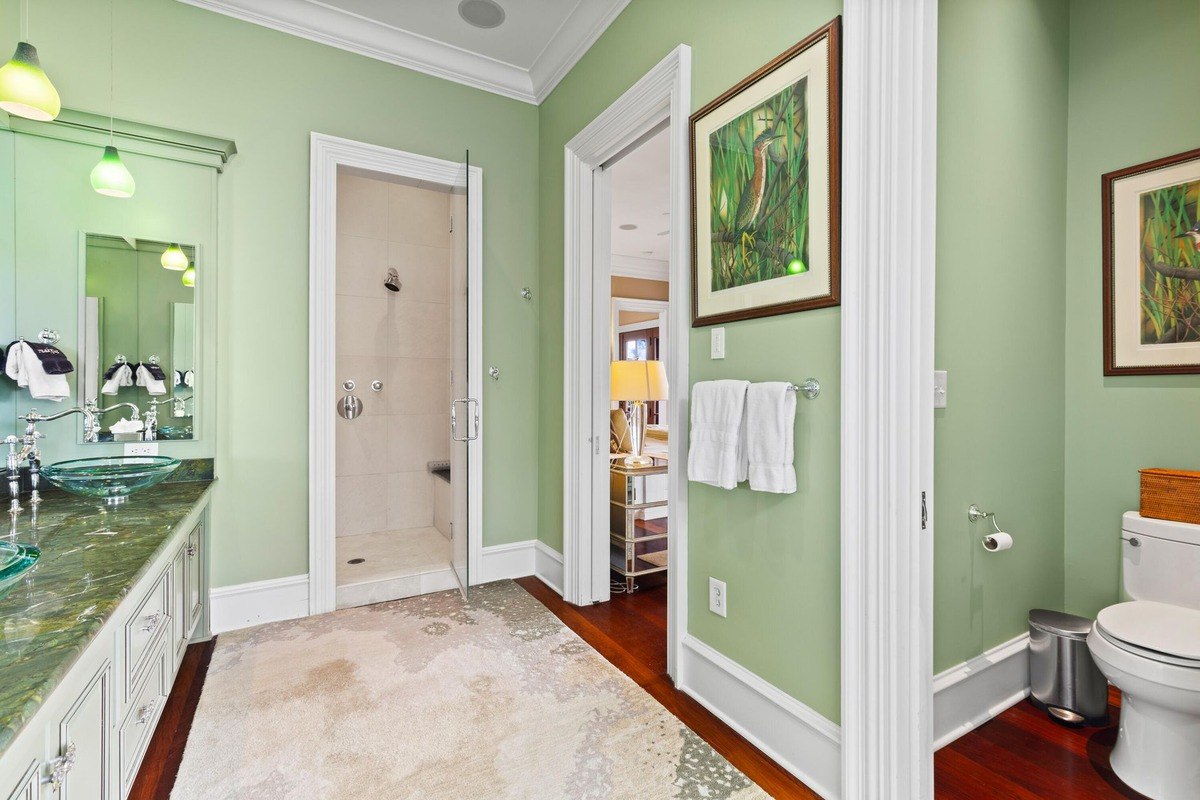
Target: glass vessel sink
[
  {"x": 15, "y": 561},
  {"x": 110, "y": 479}
]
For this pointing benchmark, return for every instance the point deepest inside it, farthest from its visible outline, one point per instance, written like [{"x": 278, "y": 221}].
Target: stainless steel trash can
[{"x": 1064, "y": 681}]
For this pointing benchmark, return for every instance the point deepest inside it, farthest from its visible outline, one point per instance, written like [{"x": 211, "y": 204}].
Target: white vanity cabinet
[{"x": 87, "y": 740}]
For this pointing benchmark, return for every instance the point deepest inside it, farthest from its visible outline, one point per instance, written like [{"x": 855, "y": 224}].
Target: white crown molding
[
  {"x": 318, "y": 22},
  {"x": 650, "y": 269},
  {"x": 569, "y": 44}
]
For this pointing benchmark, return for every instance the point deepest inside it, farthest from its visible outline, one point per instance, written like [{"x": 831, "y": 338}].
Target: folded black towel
[
  {"x": 53, "y": 360},
  {"x": 155, "y": 371},
  {"x": 108, "y": 373}
]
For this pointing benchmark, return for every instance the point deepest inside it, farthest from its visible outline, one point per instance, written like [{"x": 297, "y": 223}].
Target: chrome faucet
[{"x": 31, "y": 453}]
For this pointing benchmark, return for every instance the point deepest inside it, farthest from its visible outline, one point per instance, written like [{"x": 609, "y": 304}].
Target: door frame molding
[
  {"x": 888, "y": 269},
  {"x": 327, "y": 154},
  {"x": 662, "y": 95}
]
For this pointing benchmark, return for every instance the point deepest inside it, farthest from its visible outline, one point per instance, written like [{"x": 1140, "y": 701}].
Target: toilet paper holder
[{"x": 995, "y": 541}]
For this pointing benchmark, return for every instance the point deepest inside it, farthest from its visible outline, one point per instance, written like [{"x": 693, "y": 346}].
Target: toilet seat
[{"x": 1160, "y": 632}]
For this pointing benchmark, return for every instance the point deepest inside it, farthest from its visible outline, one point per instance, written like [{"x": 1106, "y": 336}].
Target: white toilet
[{"x": 1149, "y": 648}]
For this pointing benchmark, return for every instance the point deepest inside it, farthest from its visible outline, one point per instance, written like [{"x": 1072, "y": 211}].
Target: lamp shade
[
  {"x": 174, "y": 258},
  {"x": 189, "y": 277},
  {"x": 110, "y": 177},
  {"x": 639, "y": 380},
  {"x": 24, "y": 88}
]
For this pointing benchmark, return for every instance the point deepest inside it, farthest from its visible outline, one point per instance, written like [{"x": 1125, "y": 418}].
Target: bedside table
[{"x": 638, "y": 519}]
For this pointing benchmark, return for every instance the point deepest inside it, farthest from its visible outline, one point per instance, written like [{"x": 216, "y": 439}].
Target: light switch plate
[
  {"x": 939, "y": 388},
  {"x": 717, "y": 348},
  {"x": 141, "y": 448},
  {"x": 718, "y": 603}
]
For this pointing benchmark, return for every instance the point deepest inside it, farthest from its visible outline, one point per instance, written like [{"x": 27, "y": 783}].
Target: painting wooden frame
[
  {"x": 766, "y": 194},
  {"x": 1151, "y": 248}
]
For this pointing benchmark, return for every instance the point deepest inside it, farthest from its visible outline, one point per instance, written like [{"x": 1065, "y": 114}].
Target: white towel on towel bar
[
  {"x": 770, "y": 422},
  {"x": 717, "y": 455}
]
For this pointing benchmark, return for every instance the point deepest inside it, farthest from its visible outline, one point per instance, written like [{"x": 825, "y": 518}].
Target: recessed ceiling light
[
  {"x": 628, "y": 226},
  {"x": 481, "y": 13}
]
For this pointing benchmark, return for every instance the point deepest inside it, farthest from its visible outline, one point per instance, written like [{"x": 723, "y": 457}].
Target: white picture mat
[
  {"x": 813, "y": 64},
  {"x": 1128, "y": 351}
]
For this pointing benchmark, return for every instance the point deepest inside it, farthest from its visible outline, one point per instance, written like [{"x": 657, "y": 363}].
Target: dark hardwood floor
[
  {"x": 156, "y": 777},
  {"x": 1021, "y": 754},
  {"x": 631, "y": 632}
]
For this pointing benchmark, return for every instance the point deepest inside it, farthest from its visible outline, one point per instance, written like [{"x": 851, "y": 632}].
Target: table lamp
[{"x": 638, "y": 382}]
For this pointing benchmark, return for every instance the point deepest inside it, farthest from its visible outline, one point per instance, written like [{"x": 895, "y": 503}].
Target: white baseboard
[
  {"x": 502, "y": 561},
  {"x": 248, "y": 604},
  {"x": 969, "y": 694},
  {"x": 548, "y": 566},
  {"x": 800, "y": 740}
]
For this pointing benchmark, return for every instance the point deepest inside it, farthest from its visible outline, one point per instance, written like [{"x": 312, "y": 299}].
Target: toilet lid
[{"x": 1156, "y": 627}]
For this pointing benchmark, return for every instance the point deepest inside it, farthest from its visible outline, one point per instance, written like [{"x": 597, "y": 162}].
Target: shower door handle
[{"x": 469, "y": 402}]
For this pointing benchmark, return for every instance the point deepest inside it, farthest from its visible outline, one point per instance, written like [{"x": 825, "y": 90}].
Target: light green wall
[
  {"x": 1133, "y": 83},
  {"x": 779, "y": 555},
  {"x": 190, "y": 69},
  {"x": 1002, "y": 116}
]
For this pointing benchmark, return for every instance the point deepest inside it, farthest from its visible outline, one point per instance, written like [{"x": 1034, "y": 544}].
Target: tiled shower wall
[{"x": 402, "y": 339}]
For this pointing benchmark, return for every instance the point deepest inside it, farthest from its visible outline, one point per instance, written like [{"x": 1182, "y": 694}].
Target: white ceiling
[
  {"x": 524, "y": 58},
  {"x": 641, "y": 196}
]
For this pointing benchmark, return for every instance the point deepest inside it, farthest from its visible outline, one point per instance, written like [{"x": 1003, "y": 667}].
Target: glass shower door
[{"x": 464, "y": 408}]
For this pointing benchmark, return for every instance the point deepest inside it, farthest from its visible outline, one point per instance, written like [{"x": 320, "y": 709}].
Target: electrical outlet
[
  {"x": 717, "y": 600},
  {"x": 717, "y": 343},
  {"x": 141, "y": 449}
]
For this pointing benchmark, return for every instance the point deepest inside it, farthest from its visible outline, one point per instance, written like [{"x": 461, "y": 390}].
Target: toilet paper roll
[{"x": 997, "y": 541}]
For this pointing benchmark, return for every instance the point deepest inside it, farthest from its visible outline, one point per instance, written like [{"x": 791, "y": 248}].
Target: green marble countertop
[{"x": 91, "y": 558}]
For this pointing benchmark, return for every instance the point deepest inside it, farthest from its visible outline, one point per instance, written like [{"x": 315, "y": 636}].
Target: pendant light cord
[
  {"x": 25, "y": 20},
  {"x": 112, "y": 69}
]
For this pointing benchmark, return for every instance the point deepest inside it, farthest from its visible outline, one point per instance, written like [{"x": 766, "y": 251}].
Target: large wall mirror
[{"x": 138, "y": 332}]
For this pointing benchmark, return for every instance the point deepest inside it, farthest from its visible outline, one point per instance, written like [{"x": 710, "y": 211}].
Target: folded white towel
[
  {"x": 189, "y": 378},
  {"x": 154, "y": 387},
  {"x": 26, "y": 369},
  {"x": 717, "y": 455},
  {"x": 126, "y": 426},
  {"x": 770, "y": 422},
  {"x": 122, "y": 377}
]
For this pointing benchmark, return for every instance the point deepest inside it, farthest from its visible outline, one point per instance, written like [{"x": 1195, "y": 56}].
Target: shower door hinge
[{"x": 924, "y": 513}]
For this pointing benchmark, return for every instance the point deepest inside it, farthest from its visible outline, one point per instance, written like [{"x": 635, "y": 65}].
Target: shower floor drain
[{"x": 356, "y": 561}]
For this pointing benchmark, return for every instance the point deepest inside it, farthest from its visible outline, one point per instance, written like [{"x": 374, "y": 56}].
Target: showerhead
[{"x": 393, "y": 281}]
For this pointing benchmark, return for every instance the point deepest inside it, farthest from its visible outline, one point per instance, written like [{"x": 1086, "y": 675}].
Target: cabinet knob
[
  {"x": 145, "y": 713},
  {"x": 191, "y": 550},
  {"x": 152, "y": 621},
  {"x": 61, "y": 767}
]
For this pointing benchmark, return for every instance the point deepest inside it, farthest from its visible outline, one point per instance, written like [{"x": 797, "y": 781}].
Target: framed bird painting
[
  {"x": 1151, "y": 229},
  {"x": 765, "y": 188}
]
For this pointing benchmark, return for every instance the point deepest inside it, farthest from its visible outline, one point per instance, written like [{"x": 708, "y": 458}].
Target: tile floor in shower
[{"x": 396, "y": 564}]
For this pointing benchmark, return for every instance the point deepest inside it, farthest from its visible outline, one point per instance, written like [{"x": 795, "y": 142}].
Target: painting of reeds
[
  {"x": 1170, "y": 271},
  {"x": 1151, "y": 261},
  {"x": 765, "y": 188},
  {"x": 759, "y": 192}
]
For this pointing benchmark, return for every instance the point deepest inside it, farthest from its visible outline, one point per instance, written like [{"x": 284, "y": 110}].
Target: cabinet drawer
[
  {"x": 142, "y": 715},
  {"x": 143, "y": 629},
  {"x": 28, "y": 786}
]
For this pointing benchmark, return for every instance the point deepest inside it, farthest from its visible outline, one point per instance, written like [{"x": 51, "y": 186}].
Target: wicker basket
[{"x": 1172, "y": 494}]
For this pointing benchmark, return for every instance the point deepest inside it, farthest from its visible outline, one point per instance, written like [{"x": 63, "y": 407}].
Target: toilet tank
[{"x": 1160, "y": 560}]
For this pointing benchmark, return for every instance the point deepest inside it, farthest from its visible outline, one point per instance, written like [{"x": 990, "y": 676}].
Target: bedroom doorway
[{"x": 627, "y": 314}]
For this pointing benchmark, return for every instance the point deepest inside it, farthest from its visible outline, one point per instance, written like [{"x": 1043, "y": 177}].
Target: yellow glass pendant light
[
  {"x": 189, "y": 277},
  {"x": 110, "y": 177},
  {"x": 174, "y": 258}
]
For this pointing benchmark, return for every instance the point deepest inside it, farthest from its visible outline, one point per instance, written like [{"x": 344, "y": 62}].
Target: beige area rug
[{"x": 433, "y": 697}]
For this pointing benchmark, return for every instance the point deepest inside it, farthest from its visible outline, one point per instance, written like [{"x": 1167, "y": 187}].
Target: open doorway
[{"x": 639, "y": 288}]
